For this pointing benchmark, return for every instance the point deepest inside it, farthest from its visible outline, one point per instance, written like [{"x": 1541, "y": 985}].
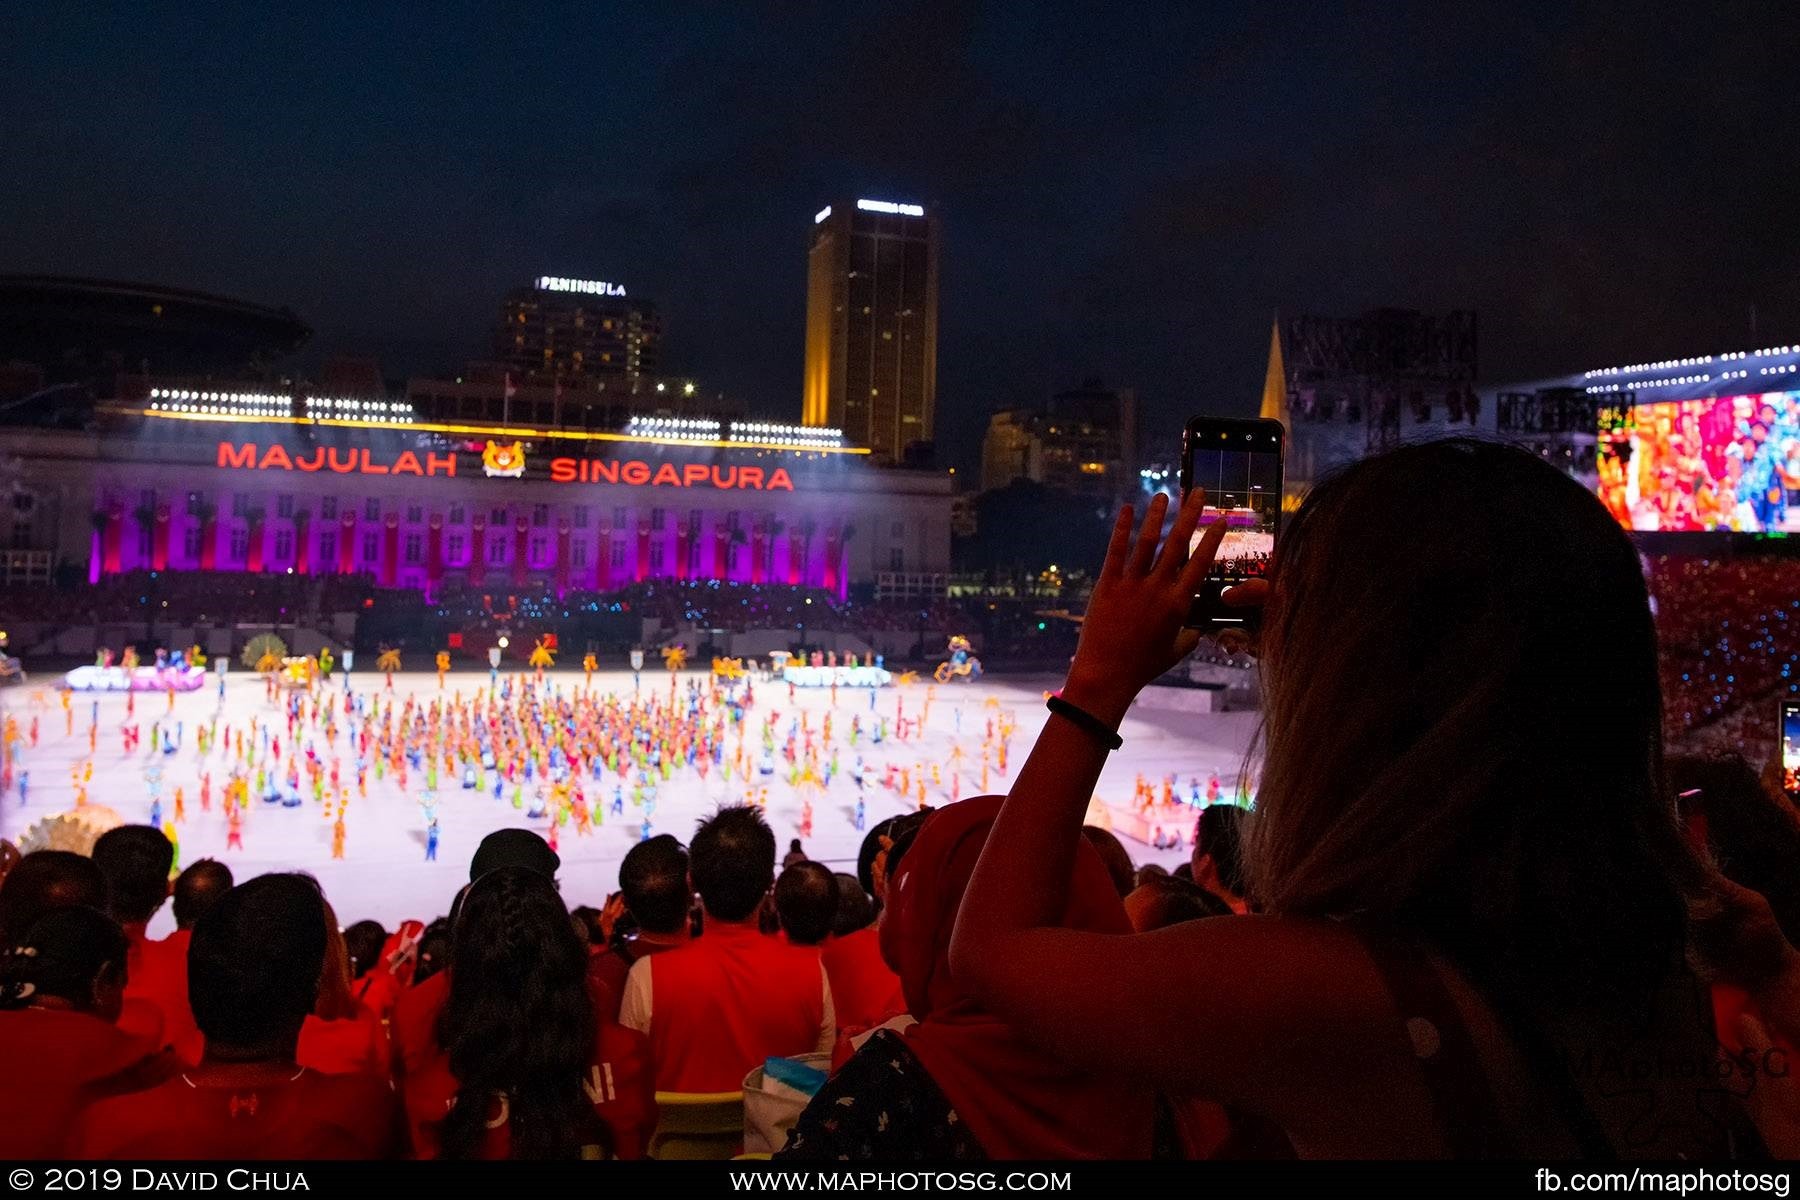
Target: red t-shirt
[
  {"x": 57, "y": 1063},
  {"x": 864, "y": 989},
  {"x": 413, "y": 1026},
  {"x": 607, "y": 969},
  {"x": 726, "y": 1001},
  {"x": 157, "y": 981},
  {"x": 351, "y": 1046},
  {"x": 620, "y": 1084},
  {"x": 283, "y": 1113}
]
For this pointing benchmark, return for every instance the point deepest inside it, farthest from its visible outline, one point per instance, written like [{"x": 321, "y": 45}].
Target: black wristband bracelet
[{"x": 1086, "y": 721}]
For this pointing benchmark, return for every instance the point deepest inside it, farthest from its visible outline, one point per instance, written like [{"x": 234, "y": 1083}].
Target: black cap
[{"x": 514, "y": 848}]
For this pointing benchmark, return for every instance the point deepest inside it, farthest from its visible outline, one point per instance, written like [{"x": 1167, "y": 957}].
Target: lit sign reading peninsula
[{"x": 589, "y": 287}]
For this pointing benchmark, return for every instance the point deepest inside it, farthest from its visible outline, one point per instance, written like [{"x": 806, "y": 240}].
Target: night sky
[{"x": 1127, "y": 191}]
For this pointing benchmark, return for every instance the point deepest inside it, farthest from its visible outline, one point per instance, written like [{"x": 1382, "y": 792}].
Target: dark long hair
[
  {"x": 519, "y": 1023},
  {"x": 1463, "y": 726}
]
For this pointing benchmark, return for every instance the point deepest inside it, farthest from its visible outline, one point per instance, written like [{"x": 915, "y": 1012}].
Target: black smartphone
[
  {"x": 1790, "y": 748},
  {"x": 1238, "y": 461}
]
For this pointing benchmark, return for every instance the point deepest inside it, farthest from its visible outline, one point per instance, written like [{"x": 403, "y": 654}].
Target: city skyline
[{"x": 1133, "y": 208}]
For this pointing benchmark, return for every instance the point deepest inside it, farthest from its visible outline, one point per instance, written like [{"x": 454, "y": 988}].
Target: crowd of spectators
[{"x": 1475, "y": 913}]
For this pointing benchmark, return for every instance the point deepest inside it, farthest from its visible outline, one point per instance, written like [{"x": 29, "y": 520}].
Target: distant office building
[
  {"x": 871, "y": 325},
  {"x": 560, "y": 328},
  {"x": 497, "y": 392},
  {"x": 1084, "y": 441}
]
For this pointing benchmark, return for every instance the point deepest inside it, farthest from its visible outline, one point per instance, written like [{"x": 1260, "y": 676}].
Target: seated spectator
[
  {"x": 253, "y": 974},
  {"x": 727, "y": 1000},
  {"x": 135, "y": 860},
  {"x": 9, "y": 858},
  {"x": 42, "y": 881},
  {"x": 528, "y": 1068},
  {"x": 61, "y": 990},
  {"x": 1467, "y": 872},
  {"x": 414, "y": 1026},
  {"x": 806, "y": 902},
  {"x": 373, "y": 988},
  {"x": 1113, "y": 853},
  {"x": 654, "y": 892},
  {"x": 796, "y": 853},
  {"x": 1218, "y": 860},
  {"x": 197, "y": 889},
  {"x": 1165, "y": 900},
  {"x": 864, "y": 990},
  {"x": 341, "y": 1036},
  {"x": 960, "y": 1083}
]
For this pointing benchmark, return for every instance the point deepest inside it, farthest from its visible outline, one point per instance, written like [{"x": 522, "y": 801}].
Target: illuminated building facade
[
  {"x": 188, "y": 480},
  {"x": 871, "y": 325},
  {"x": 562, "y": 328},
  {"x": 1084, "y": 442}
]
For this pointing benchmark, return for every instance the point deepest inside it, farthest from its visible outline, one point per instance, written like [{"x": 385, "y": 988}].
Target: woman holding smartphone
[{"x": 1469, "y": 892}]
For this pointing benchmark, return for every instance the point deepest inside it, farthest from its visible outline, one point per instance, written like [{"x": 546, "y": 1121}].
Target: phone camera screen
[{"x": 1241, "y": 473}]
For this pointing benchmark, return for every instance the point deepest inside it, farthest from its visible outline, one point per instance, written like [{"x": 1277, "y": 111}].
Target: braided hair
[
  {"x": 72, "y": 954},
  {"x": 519, "y": 1026}
]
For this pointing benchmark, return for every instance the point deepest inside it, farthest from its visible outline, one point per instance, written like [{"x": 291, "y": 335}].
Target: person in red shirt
[
  {"x": 864, "y": 990},
  {"x": 528, "y": 1068},
  {"x": 653, "y": 882},
  {"x": 135, "y": 861},
  {"x": 341, "y": 1036},
  {"x": 374, "y": 987},
  {"x": 253, "y": 971},
  {"x": 806, "y": 902},
  {"x": 61, "y": 989},
  {"x": 732, "y": 997}
]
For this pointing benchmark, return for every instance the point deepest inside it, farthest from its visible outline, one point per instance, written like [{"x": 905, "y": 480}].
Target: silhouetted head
[
  {"x": 1218, "y": 859},
  {"x": 44, "y": 880},
  {"x": 1113, "y": 853},
  {"x": 732, "y": 861},
  {"x": 198, "y": 888},
  {"x": 654, "y": 881},
  {"x": 1463, "y": 724},
  {"x": 364, "y": 941},
  {"x": 254, "y": 965},
  {"x": 514, "y": 848},
  {"x": 135, "y": 861},
  {"x": 855, "y": 910},
  {"x": 806, "y": 901},
  {"x": 72, "y": 958}
]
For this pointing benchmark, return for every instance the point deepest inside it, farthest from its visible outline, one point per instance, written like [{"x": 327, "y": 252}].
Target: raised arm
[{"x": 1215, "y": 1007}]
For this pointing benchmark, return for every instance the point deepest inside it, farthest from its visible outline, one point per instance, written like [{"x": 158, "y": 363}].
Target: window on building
[
  {"x": 656, "y": 558},
  {"x": 328, "y": 508},
  {"x": 540, "y": 514},
  {"x": 240, "y": 504},
  {"x": 456, "y": 514},
  {"x": 581, "y": 516},
  {"x": 143, "y": 541},
  {"x": 578, "y": 554},
  {"x": 371, "y": 509},
  {"x": 194, "y": 502},
  {"x": 456, "y": 547},
  {"x": 240, "y": 544},
  {"x": 497, "y": 517},
  {"x": 415, "y": 513},
  {"x": 415, "y": 548},
  {"x": 618, "y": 554},
  {"x": 496, "y": 552},
  {"x": 896, "y": 559},
  {"x": 371, "y": 547},
  {"x": 328, "y": 548},
  {"x": 538, "y": 554},
  {"x": 656, "y": 519},
  {"x": 284, "y": 545},
  {"x": 190, "y": 542},
  {"x": 284, "y": 505},
  {"x": 620, "y": 517}
]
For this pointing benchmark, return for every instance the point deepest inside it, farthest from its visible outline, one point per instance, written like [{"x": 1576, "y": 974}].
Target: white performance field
[{"x": 384, "y": 873}]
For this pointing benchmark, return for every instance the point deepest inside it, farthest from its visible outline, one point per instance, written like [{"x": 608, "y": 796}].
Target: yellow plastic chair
[
  {"x": 761, "y": 1156},
  {"x": 698, "y": 1125}
]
